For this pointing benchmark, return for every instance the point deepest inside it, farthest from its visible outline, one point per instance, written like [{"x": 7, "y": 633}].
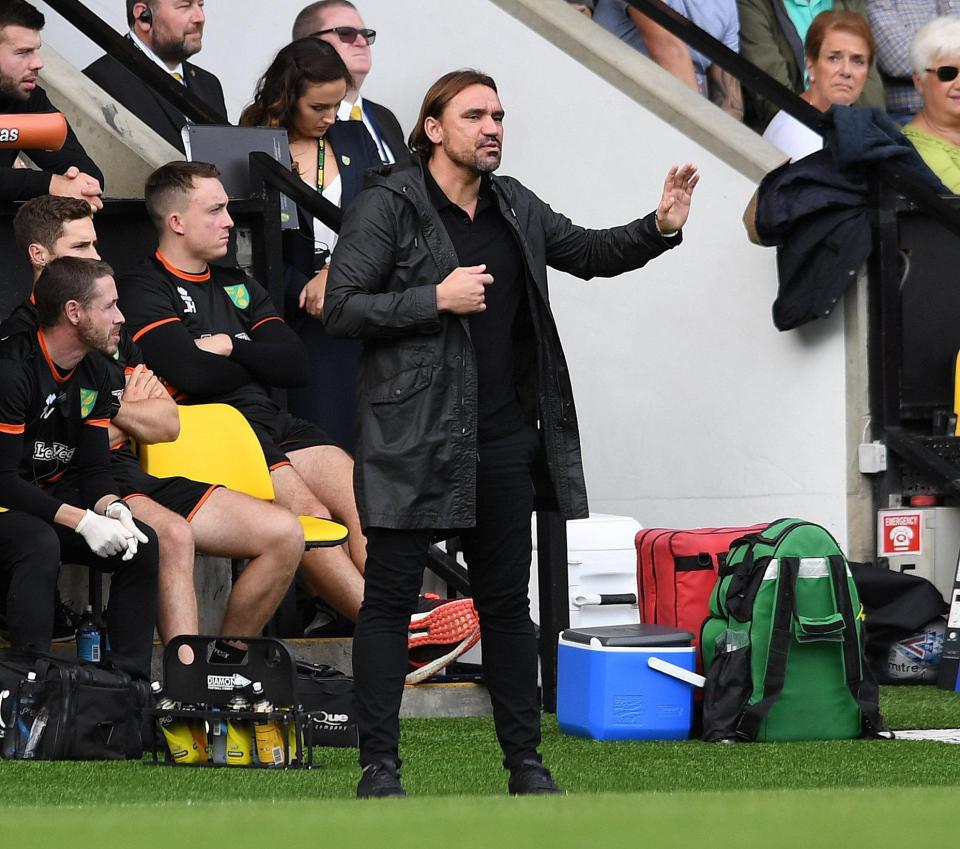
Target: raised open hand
[{"x": 674, "y": 205}]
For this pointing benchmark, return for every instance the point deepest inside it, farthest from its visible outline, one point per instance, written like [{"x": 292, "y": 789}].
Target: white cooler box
[{"x": 601, "y": 561}]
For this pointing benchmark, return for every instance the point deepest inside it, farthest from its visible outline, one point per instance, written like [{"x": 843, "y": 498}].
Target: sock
[{"x": 225, "y": 653}]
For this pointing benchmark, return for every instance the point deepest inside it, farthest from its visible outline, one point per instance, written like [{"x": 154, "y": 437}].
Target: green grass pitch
[{"x": 663, "y": 795}]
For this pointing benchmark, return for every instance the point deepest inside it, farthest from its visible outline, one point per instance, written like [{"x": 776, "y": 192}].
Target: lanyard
[{"x": 321, "y": 157}]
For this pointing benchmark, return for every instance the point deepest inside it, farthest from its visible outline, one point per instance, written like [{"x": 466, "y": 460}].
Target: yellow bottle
[
  {"x": 239, "y": 735},
  {"x": 178, "y": 733},
  {"x": 292, "y": 735},
  {"x": 267, "y": 731}
]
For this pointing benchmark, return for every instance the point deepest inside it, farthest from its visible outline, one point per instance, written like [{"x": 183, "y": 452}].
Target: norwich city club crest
[
  {"x": 88, "y": 397},
  {"x": 239, "y": 295}
]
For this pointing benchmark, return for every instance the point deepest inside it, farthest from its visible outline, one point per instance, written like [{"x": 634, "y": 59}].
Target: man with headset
[{"x": 167, "y": 32}]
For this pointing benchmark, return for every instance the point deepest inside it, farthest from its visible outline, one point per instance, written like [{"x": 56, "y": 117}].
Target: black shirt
[
  {"x": 165, "y": 306},
  {"x": 50, "y": 421},
  {"x": 25, "y": 183},
  {"x": 113, "y": 368},
  {"x": 488, "y": 240}
]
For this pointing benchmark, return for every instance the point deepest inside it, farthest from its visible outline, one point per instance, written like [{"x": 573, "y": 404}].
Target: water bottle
[
  {"x": 218, "y": 738},
  {"x": 291, "y": 734},
  {"x": 88, "y": 637},
  {"x": 36, "y": 732},
  {"x": 267, "y": 731},
  {"x": 240, "y": 747},
  {"x": 6, "y": 724},
  {"x": 177, "y": 732},
  {"x": 198, "y": 730},
  {"x": 28, "y": 707}
]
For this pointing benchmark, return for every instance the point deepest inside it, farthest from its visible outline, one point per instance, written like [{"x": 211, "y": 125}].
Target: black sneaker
[
  {"x": 378, "y": 781},
  {"x": 532, "y": 778}
]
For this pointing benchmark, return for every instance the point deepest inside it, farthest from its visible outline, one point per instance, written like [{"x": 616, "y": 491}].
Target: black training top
[
  {"x": 51, "y": 420},
  {"x": 488, "y": 240},
  {"x": 23, "y": 319},
  {"x": 168, "y": 309}
]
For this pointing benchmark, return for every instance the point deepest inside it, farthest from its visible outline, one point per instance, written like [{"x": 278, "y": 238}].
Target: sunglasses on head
[
  {"x": 945, "y": 73},
  {"x": 348, "y": 35}
]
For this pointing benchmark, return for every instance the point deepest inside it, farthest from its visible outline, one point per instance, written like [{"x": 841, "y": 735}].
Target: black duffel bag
[
  {"x": 326, "y": 694},
  {"x": 71, "y": 711},
  {"x": 897, "y": 605}
]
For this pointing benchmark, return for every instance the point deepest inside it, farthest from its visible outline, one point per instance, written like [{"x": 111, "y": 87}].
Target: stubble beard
[
  {"x": 176, "y": 52},
  {"x": 95, "y": 340},
  {"x": 477, "y": 161},
  {"x": 10, "y": 90}
]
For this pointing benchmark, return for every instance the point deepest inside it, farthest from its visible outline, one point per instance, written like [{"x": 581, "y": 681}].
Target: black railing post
[
  {"x": 268, "y": 249},
  {"x": 124, "y": 50},
  {"x": 554, "y": 599}
]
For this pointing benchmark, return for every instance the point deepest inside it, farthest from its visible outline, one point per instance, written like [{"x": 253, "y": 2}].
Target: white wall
[{"x": 693, "y": 409}]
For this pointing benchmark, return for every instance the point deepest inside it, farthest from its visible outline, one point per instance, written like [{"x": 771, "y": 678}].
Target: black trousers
[
  {"x": 31, "y": 551},
  {"x": 497, "y": 552}
]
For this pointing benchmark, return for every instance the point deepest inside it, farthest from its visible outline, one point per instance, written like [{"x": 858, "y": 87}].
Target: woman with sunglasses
[
  {"x": 839, "y": 51},
  {"x": 935, "y": 130},
  {"x": 301, "y": 92}
]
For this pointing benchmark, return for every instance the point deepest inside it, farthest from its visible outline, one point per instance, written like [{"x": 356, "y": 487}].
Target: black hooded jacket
[{"x": 416, "y": 449}]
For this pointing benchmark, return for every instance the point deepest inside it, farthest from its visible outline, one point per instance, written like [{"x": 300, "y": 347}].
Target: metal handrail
[
  {"x": 124, "y": 50},
  {"x": 760, "y": 82},
  {"x": 266, "y": 171}
]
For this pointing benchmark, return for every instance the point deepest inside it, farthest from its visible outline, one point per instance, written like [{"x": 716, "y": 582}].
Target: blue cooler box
[{"x": 608, "y": 688}]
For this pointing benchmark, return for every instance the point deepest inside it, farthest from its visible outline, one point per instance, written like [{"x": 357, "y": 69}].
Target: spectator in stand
[
  {"x": 301, "y": 92},
  {"x": 935, "y": 130},
  {"x": 187, "y": 515},
  {"x": 339, "y": 23},
  {"x": 583, "y": 8},
  {"x": 68, "y": 171},
  {"x": 839, "y": 50},
  {"x": 717, "y": 17},
  {"x": 772, "y": 35},
  {"x": 55, "y": 410},
  {"x": 894, "y": 24},
  {"x": 167, "y": 32}
]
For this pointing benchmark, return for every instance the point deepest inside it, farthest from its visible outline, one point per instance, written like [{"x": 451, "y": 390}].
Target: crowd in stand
[
  {"x": 96, "y": 361},
  {"x": 873, "y": 53}
]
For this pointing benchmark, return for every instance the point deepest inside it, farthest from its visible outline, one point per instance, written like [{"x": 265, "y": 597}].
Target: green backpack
[{"x": 782, "y": 648}]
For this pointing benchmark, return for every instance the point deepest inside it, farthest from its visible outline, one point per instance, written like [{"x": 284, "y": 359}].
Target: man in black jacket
[
  {"x": 68, "y": 171},
  {"x": 168, "y": 32},
  {"x": 339, "y": 22},
  {"x": 465, "y": 397}
]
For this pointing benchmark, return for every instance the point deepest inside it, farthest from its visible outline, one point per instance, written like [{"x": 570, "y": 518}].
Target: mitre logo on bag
[{"x": 900, "y": 533}]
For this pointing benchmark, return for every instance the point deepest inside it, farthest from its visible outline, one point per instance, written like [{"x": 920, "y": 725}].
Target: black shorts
[
  {"x": 285, "y": 433},
  {"x": 180, "y": 495}
]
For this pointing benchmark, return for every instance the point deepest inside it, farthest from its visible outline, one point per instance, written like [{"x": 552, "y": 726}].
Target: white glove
[
  {"x": 121, "y": 512},
  {"x": 105, "y": 536}
]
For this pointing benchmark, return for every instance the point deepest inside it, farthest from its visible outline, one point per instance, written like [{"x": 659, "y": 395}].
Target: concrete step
[{"x": 446, "y": 699}]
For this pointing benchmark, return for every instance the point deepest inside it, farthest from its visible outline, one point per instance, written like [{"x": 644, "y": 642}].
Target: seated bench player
[
  {"x": 213, "y": 335},
  {"x": 55, "y": 410},
  {"x": 187, "y": 515}
]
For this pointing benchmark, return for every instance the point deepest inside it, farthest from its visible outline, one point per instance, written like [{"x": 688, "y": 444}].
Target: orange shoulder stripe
[{"x": 152, "y": 326}]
